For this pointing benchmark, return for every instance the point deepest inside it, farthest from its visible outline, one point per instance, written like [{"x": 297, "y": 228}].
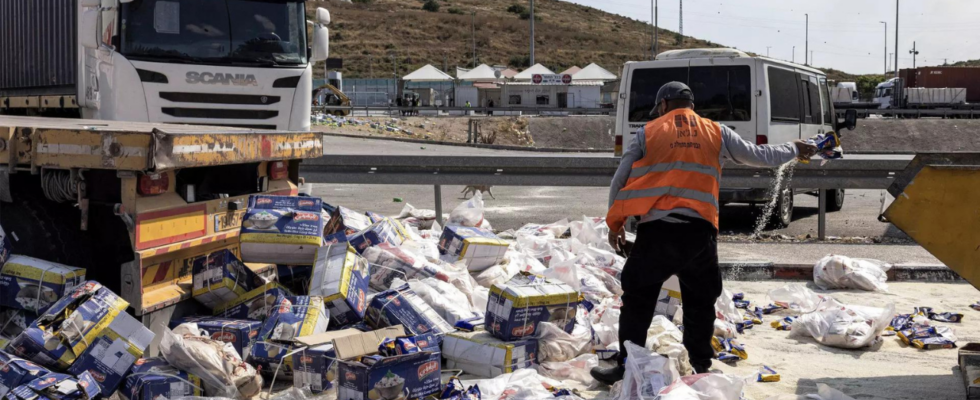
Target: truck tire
[
  {"x": 782, "y": 215},
  {"x": 835, "y": 199},
  {"x": 40, "y": 228}
]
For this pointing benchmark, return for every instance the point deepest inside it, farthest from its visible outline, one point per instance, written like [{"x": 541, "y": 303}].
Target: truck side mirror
[
  {"x": 850, "y": 119},
  {"x": 88, "y": 28},
  {"x": 321, "y": 36}
]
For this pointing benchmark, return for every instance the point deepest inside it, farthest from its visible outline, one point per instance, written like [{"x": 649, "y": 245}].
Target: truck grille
[
  {"x": 218, "y": 113},
  {"x": 219, "y": 98}
]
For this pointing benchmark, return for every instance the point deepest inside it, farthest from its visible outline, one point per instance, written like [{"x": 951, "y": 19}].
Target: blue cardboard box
[
  {"x": 409, "y": 376},
  {"x": 481, "y": 354},
  {"x": 315, "y": 368},
  {"x": 13, "y": 321},
  {"x": 295, "y": 277},
  {"x": 394, "y": 263},
  {"x": 17, "y": 371},
  {"x": 347, "y": 221},
  {"x": 341, "y": 276},
  {"x": 34, "y": 285},
  {"x": 241, "y": 333},
  {"x": 254, "y": 305},
  {"x": 516, "y": 307},
  {"x": 401, "y": 306},
  {"x": 379, "y": 232},
  {"x": 478, "y": 248},
  {"x": 281, "y": 229},
  {"x": 294, "y": 317},
  {"x": 153, "y": 378},
  {"x": 57, "y": 386},
  {"x": 98, "y": 327},
  {"x": 220, "y": 277}
]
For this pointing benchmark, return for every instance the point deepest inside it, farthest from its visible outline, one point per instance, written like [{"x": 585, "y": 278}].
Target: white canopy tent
[
  {"x": 593, "y": 72},
  {"x": 482, "y": 73},
  {"x": 526, "y": 74},
  {"x": 428, "y": 73},
  {"x": 571, "y": 71}
]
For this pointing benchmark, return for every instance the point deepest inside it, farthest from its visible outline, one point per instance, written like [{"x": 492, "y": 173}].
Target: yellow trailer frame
[{"x": 166, "y": 231}]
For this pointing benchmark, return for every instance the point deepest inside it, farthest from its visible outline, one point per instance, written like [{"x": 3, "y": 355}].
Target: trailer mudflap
[{"x": 936, "y": 204}]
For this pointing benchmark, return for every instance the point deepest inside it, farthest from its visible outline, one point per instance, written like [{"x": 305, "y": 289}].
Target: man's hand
[
  {"x": 617, "y": 240},
  {"x": 805, "y": 150}
]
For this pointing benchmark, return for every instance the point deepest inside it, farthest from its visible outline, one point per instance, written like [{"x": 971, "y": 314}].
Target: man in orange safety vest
[{"x": 669, "y": 177}]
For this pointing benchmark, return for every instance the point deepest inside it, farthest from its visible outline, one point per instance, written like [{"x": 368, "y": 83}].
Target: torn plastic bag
[
  {"x": 705, "y": 387},
  {"x": 592, "y": 232},
  {"x": 576, "y": 369},
  {"x": 726, "y": 312},
  {"x": 416, "y": 217},
  {"x": 797, "y": 298},
  {"x": 607, "y": 327},
  {"x": 646, "y": 374},
  {"x": 847, "y": 326},
  {"x": 573, "y": 273},
  {"x": 519, "y": 261},
  {"x": 841, "y": 272},
  {"x": 495, "y": 275},
  {"x": 469, "y": 213},
  {"x": 523, "y": 384},
  {"x": 664, "y": 338},
  {"x": 554, "y": 344},
  {"x": 217, "y": 363}
]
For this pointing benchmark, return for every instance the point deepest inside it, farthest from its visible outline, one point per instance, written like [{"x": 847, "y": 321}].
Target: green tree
[
  {"x": 431, "y": 6},
  {"x": 516, "y": 9},
  {"x": 866, "y": 85}
]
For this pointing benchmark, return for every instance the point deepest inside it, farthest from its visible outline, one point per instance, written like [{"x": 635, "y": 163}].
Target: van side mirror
[
  {"x": 322, "y": 16},
  {"x": 88, "y": 28},
  {"x": 850, "y": 119},
  {"x": 321, "y": 36}
]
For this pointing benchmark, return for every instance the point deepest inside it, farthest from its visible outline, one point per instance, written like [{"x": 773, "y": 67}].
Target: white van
[{"x": 762, "y": 99}]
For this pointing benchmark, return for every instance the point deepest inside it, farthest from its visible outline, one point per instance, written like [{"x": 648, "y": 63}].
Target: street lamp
[
  {"x": 767, "y": 50},
  {"x": 807, "y": 48},
  {"x": 886, "y": 47},
  {"x": 794, "y": 53}
]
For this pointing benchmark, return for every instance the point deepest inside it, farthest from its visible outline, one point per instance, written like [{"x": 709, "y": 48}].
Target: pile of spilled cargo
[{"x": 367, "y": 306}]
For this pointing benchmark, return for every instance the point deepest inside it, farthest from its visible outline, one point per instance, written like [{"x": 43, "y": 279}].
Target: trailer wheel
[
  {"x": 783, "y": 214},
  {"x": 835, "y": 199},
  {"x": 40, "y": 228}
]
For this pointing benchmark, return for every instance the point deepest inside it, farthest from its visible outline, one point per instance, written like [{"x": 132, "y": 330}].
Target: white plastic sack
[
  {"x": 847, "y": 326},
  {"x": 217, "y": 363},
  {"x": 842, "y": 272},
  {"x": 605, "y": 323},
  {"x": 592, "y": 232},
  {"x": 726, "y": 312},
  {"x": 518, "y": 261},
  {"x": 577, "y": 368},
  {"x": 495, "y": 275},
  {"x": 664, "y": 338},
  {"x": 451, "y": 309},
  {"x": 554, "y": 344},
  {"x": 797, "y": 298},
  {"x": 705, "y": 387},
  {"x": 824, "y": 392},
  {"x": 419, "y": 218},
  {"x": 573, "y": 273},
  {"x": 469, "y": 213},
  {"x": 646, "y": 374},
  {"x": 523, "y": 384}
]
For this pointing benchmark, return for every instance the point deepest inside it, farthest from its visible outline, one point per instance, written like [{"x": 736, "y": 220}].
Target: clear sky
[{"x": 844, "y": 34}]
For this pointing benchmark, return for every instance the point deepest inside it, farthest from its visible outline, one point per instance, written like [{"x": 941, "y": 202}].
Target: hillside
[{"x": 366, "y": 33}]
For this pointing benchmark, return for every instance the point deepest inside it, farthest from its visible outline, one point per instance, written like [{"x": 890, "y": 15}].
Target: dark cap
[{"x": 674, "y": 91}]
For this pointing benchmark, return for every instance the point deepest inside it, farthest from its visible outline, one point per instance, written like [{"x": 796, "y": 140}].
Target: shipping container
[
  {"x": 37, "y": 47},
  {"x": 945, "y": 77}
]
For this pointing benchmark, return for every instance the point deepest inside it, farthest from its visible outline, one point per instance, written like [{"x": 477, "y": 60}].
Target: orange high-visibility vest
[{"x": 680, "y": 169}]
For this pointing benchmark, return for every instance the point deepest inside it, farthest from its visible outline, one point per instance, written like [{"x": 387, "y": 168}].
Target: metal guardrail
[
  {"x": 460, "y": 111},
  {"x": 914, "y": 112},
  {"x": 578, "y": 171}
]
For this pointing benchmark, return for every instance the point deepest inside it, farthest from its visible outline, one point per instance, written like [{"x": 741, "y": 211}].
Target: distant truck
[
  {"x": 242, "y": 63},
  {"x": 930, "y": 88}
]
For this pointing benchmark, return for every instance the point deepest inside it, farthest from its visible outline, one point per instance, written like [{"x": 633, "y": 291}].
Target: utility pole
[
  {"x": 794, "y": 53},
  {"x": 886, "y": 47},
  {"x": 681, "y": 24},
  {"x": 473, "y": 27},
  {"x": 532, "y": 33},
  {"x": 807, "y": 45},
  {"x": 767, "y": 50},
  {"x": 889, "y": 61},
  {"x": 811, "y": 57},
  {"x": 914, "y": 53},
  {"x": 896, "y": 39},
  {"x": 654, "y": 37}
]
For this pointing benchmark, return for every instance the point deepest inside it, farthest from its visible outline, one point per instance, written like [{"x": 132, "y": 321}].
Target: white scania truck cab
[
  {"x": 243, "y": 63},
  {"x": 762, "y": 99}
]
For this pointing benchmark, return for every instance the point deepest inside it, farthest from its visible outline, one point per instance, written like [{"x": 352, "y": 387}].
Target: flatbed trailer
[{"x": 135, "y": 203}]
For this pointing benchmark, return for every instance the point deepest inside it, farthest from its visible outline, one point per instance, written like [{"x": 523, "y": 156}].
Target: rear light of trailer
[
  {"x": 153, "y": 184},
  {"x": 618, "y": 149},
  {"x": 278, "y": 170},
  {"x": 761, "y": 139}
]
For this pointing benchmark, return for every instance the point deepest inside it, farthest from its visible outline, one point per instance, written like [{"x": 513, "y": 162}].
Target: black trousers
[{"x": 688, "y": 250}]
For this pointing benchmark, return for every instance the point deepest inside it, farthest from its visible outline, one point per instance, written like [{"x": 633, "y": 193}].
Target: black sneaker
[{"x": 608, "y": 376}]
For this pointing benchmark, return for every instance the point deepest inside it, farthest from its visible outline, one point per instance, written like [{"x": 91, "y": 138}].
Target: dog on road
[{"x": 472, "y": 189}]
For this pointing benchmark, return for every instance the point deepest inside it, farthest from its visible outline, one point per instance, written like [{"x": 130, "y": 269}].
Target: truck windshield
[{"x": 260, "y": 32}]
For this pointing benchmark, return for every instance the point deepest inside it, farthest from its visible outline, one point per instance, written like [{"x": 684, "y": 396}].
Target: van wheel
[
  {"x": 783, "y": 214},
  {"x": 835, "y": 199}
]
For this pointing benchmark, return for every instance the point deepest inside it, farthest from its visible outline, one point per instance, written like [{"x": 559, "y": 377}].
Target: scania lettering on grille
[{"x": 214, "y": 78}]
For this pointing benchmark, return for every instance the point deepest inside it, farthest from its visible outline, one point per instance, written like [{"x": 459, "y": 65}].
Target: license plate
[{"x": 228, "y": 221}]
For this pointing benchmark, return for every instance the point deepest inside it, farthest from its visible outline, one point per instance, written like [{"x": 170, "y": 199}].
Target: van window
[
  {"x": 814, "y": 102},
  {"x": 722, "y": 93},
  {"x": 784, "y": 95},
  {"x": 827, "y": 119},
  {"x": 644, "y": 86}
]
